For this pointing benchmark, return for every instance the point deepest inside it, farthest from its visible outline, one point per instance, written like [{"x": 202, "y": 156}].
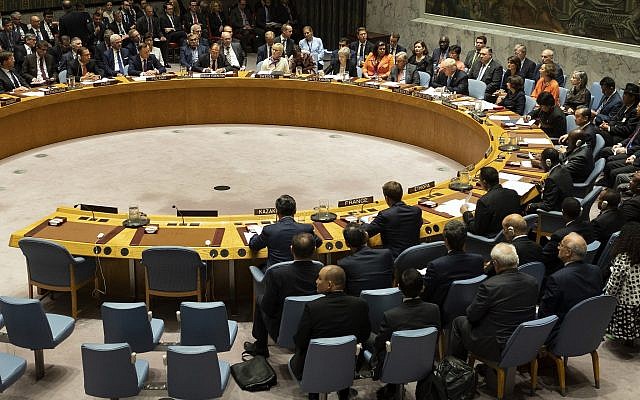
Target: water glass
[
  {"x": 298, "y": 71},
  {"x": 71, "y": 81},
  {"x": 134, "y": 214}
]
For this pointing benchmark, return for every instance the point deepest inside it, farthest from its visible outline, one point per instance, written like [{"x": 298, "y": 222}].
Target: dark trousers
[
  {"x": 616, "y": 165},
  {"x": 177, "y": 37},
  {"x": 247, "y": 39},
  {"x": 461, "y": 341},
  {"x": 263, "y": 327},
  {"x": 342, "y": 395}
]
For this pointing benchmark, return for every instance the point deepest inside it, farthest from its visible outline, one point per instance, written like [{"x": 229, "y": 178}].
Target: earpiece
[
  {"x": 510, "y": 229},
  {"x": 547, "y": 162},
  {"x": 578, "y": 142},
  {"x": 604, "y": 204}
]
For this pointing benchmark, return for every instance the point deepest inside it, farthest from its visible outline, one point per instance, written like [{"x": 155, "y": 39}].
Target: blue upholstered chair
[
  {"x": 530, "y": 104},
  {"x": 535, "y": 269},
  {"x": 571, "y": 122},
  {"x": 563, "y": 95},
  {"x": 425, "y": 78},
  {"x": 477, "y": 88},
  {"x": 206, "y": 324},
  {"x": 592, "y": 250},
  {"x": 329, "y": 365},
  {"x": 596, "y": 93},
  {"x": 379, "y": 301},
  {"x": 30, "y": 328},
  {"x": 580, "y": 333},
  {"x": 51, "y": 267},
  {"x": 1, "y": 321},
  {"x": 551, "y": 221},
  {"x": 605, "y": 256},
  {"x": 291, "y": 315},
  {"x": 598, "y": 145},
  {"x": 131, "y": 323},
  {"x": 409, "y": 357},
  {"x": 418, "y": 256},
  {"x": 194, "y": 372},
  {"x": 172, "y": 272},
  {"x": 582, "y": 189},
  {"x": 482, "y": 245},
  {"x": 112, "y": 371},
  {"x": 11, "y": 369},
  {"x": 529, "y": 84}
]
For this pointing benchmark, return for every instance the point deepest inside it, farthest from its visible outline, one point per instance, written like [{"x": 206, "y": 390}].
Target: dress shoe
[{"x": 252, "y": 349}]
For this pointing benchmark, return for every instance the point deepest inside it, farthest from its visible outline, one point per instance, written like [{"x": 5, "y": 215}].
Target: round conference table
[{"x": 128, "y": 105}]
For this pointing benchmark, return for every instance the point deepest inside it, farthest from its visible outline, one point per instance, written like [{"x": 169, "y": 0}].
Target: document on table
[
  {"x": 536, "y": 141},
  {"x": 509, "y": 177},
  {"x": 33, "y": 94},
  {"x": 88, "y": 83},
  {"x": 521, "y": 187},
  {"x": 499, "y": 118},
  {"x": 521, "y": 122},
  {"x": 388, "y": 84},
  {"x": 366, "y": 219},
  {"x": 431, "y": 92},
  {"x": 452, "y": 207}
]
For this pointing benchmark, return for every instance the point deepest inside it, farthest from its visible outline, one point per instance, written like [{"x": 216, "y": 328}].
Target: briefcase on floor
[{"x": 254, "y": 374}]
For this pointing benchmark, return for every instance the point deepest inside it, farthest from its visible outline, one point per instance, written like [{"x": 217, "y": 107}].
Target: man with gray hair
[
  {"x": 403, "y": 72},
  {"x": 116, "y": 58},
  {"x": 503, "y": 302},
  {"x": 451, "y": 78}
]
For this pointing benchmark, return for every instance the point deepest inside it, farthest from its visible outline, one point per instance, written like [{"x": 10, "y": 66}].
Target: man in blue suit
[
  {"x": 190, "y": 53},
  {"x": 610, "y": 102},
  {"x": 116, "y": 58},
  {"x": 145, "y": 63}
]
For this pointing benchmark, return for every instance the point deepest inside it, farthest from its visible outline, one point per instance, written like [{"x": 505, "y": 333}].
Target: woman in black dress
[{"x": 421, "y": 58}]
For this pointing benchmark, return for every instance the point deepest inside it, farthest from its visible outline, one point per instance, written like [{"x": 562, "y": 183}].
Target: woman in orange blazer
[
  {"x": 378, "y": 63},
  {"x": 547, "y": 82}
]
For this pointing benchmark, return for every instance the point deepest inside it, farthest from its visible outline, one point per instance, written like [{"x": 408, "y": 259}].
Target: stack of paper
[
  {"x": 509, "y": 177},
  {"x": 521, "y": 187},
  {"x": 537, "y": 141},
  {"x": 523, "y": 123},
  {"x": 452, "y": 207}
]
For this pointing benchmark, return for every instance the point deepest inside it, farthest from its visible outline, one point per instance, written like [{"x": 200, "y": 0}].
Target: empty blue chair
[
  {"x": 112, "y": 370},
  {"x": 30, "y": 328},
  {"x": 605, "y": 256},
  {"x": 596, "y": 93},
  {"x": 11, "y": 369},
  {"x": 535, "y": 269},
  {"x": 587, "y": 201},
  {"x": 530, "y": 104},
  {"x": 563, "y": 96},
  {"x": 481, "y": 244},
  {"x": 291, "y": 315},
  {"x": 529, "y": 84},
  {"x": 571, "y": 122},
  {"x": 329, "y": 365},
  {"x": 425, "y": 78},
  {"x": 194, "y": 372},
  {"x": 592, "y": 250},
  {"x": 418, "y": 256},
  {"x": 521, "y": 348},
  {"x": 582, "y": 189},
  {"x": 379, "y": 301},
  {"x": 206, "y": 324},
  {"x": 50, "y": 266},
  {"x": 409, "y": 357},
  {"x": 131, "y": 323},
  {"x": 580, "y": 333},
  {"x": 598, "y": 145},
  {"x": 477, "y": 88}
]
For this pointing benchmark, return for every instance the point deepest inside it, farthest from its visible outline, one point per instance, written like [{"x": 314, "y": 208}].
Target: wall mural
[{"x": 616, "y": 20}]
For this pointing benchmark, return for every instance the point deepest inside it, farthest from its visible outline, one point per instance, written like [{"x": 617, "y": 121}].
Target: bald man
[
  {"x": 515, "y": 231},
  {"x": 335, "y": 314}
]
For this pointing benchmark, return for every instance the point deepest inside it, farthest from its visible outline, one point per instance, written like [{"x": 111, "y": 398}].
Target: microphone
[{"x": 179, "y": 212}]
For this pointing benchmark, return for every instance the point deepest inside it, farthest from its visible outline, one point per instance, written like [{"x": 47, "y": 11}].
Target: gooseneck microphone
[{"x": 179, "y": 214}]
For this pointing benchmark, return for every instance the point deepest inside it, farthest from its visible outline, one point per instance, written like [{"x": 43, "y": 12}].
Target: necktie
[
  {"x": 481, "y": 73},
  {"x": 38, "y": 34},
  {"x": 121, "y": 28},
  {"x": 16, "y": 82},
  {"x": 195, "y": 18},
  {"x": 633, "y": 138},
  {"x": 120, "y": 65},
  {"x": 43, "y": 70},
  {"x": 214, "y": 64},
  {"x": 474, "y": 57},
  {"x": 361, "y": 52},
  {"x": 150, "y": 27},
  {"x": 144, "y": 65}
]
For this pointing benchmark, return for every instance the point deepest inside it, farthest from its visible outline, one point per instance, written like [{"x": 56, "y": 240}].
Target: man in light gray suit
[{"x": 403, "y": 72}]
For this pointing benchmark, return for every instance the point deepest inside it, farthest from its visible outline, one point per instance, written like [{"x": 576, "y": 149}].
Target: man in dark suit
[
  {"x": 546, "y": 57},
  {"x": 41, "y": 66},
  {"x": 10, "y": 80},
  {"x": 335, "y": 314},
  {"x": 630, "y": 207},
  {"x": 37, "y": 31},
  {"x": 172, "y": 26},
  {"x": 610, "y": 219},
  {"x": 556, "y": 186},
  {"x": 23, "y": 50},
  {"x": 574, "y": 282},
  {"x": 365, "y": 268},
  {"x": 212, "y": 61},
  {"x": 492, "y": 207},
  {"x": 362, "y": 46},
  {"x": 134, "y": 40},
  {"x": 584, "y": 122},
  {"x": 68, "y": 57},
  {"x": 193, "y": 16},
  {"x": 9, "y": 39},
  {"x": 285, "y": 39},
  {"x": 403, "y": 72},
  {"x": 128, "y": 13},
  {"x": 295, "y": 279},
  {"x": 622, "y": 124},
  {"x": 578, "y": 158},
  {"x": 502, "y": 303},
  {"x": 119, "y": 25},
  {"x": 488, "y": 71},
  {"x": 96, "y": 29},
  {"x": 190, "y": 53},
  {"x": 455, "y": 265},
  {"x": 413, "y": 313},
  {"x": 473, "y": 55},
  {"x": 621, "y": 157},
  {"x": 264, "y": 51},
  {"x": 18, "y": 26},
  {"x": 277, "y": 237},
  {"x": 394, "y": 47},
  {"x": 571, "y": 211},
  {"x": 268, "y": 18},
  {"x": 232, "y": 52},
  {"x": 515, "y": 231},
  {"x": 74, "y": 23},
  {"x": 150, "y": 23},
  {"x": 242, "y": 23},
  {"x": 451, "y": 78},
  {"x": 50, "y": 26},
  {"x": 441, "y": 52},
  {"x": 399, "y": 225},
  {"x": 84, "y": 68},
  {"x": 610, "y": 102},
  {"x": 116, "y": 58},
  {"x": 527, "y": 67},
  {"x": 145, "y": 63},
  {"x": 343, "y": 42}
]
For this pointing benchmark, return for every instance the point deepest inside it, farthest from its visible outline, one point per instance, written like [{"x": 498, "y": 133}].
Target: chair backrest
[
  {"x": 605, "y": 256},
  {"x": 411, "y": 356},
  {"x": 418, "y": 256},
  {"x": 581, "y": 189},
  {"x": 379, "y": 301},
  {"x": 291, "y": 315},
  {"x": 582, "y": 328},
  {"x": 587, "y": 202},
  {"x": 525, "y": 341},
  {"x": 592, "y": 249},
  {"x": 204, "y": 324},
  {"x": 563, "y": 96},
  {"x": 481, "y": 244},
  {"x": 259, "y": 66},
  {"x": 425, "y": 78},
  {"x": 127, "y": 323},
  {"x": 193, "y": 372},
  {"x": 1, "y": 321},
  {"x": 530, "y": 104},
  {"x": 550, "y": 221},
  {"x": 598, "y": 145},
  {"x": 108, "y": 370},
  {"x": 47, "y": 261},
  {"x": 329, "y": 364},
  {"x": 172, "y": 269},
  {"x": 529, "y": 84},
  {"x": 359, "y": 71},
  {"x": 596, "y": 93},
  {"x": 477, "y": 88},
  {"x": 535, "y": 269},
  {"x": 62, "y": 76},
  {"x": 571, "y": 122},
  {"x": 461, "y": 294},
  {"x": 26, "y": 323}
]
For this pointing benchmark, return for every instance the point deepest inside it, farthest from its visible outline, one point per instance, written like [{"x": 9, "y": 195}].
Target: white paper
[
  {"x": 263, "y": 73},
  {"x": 452, "y": 207},
  {"x": 255, "y": 228},
  {"x": 248, "y": 236},
  {"x": 521, "y": 187},
  {"x": 521, "y": 122},
  {"x": 33, "y": 94},
  {"x": 389, "y": 84},
  {"x": 509, "y": 177},
  {"x": 431, "y": 92},
  {"x": 368, "y": 218},
  {"x": 487, "y": 106},
  {"x": 139, "y": 78},
  {"x": 536, "y": 141},
  {"x": 98, "y": 81},
  {"x": 526, "y": 164},
  {"x": 499, "y": 117}
]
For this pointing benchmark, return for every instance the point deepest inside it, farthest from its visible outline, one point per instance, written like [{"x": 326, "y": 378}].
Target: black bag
[
  {"x": 452, "y": 379},
  {"x": 254, "y": 375}
]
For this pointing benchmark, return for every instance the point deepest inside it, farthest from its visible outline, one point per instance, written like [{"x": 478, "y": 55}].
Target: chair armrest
[
  {"x": 358, "y": 349},
  {"x": 178, "y": 315},
  {"x": 78, "y": 260},
  {"x": 480, "y": 238},
  {"x": 256, "y": 274},
  {"x": 387, "y": 345},
  {"x": 133, "y": 358},
  {"x": 149, "y": 315}
]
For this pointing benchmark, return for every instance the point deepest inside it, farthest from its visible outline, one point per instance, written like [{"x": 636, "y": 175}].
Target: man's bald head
[
  {"x": 514, "y": 225},
  {"x": 331, "y": 279},
  {"x": 573, "y": 247}
]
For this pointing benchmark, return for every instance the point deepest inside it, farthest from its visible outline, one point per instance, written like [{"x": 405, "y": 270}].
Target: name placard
[
  {"x": 212, "y": 75},
  {"x": 402, "y": 91},
  {"x": 107, "y": 83},
  {"x": 422, "y": 95},
  {"x": 267, "y": 76},
  {"x": 354, "y": 202},
  {"x": 54, "y": 90},
  {"x": 9, "y": 100},
  {"x": 264, "y": 211},
  {"x": 421, "y": 187},
  {"x": 318, "y": 79},
  {"x": 449, "y": 104}
]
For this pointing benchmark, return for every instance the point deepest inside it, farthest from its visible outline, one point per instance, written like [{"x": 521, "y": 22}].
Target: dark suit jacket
[
  {"x": 556, "y": 186},
  {"x": 528, "y": 69},
  {"x": 135, "y": 65},
  {"x": 288, "y": 45},
  {"x": 75, "y": 24},
  {"x": 43, "y": 32},
  {"x": 368, "y": 48},
  {"x": 216, "y": 21},
  {"x": 443, "y": 270},
  {"x": 30, "y": 67},
  {"x": 410, "y": 74},
  {"x": 399, "y": 48},
  {"x": 205, "y": 62},
  {"x": 623, "y": 123},
  {"x": 550, "y": 250},
  {"x": 502, "y": 303},
  {"x": 20, "y": 54},
  {"x": 177, "y": 23},
  {"x": 630, "y": 208},
  {"x": 606, "y": 223},
  {"x": 590, "y": 131},
  {"x": 580, "y": 163},
  {"x": 568, "y": 286},
  {"x": 411, "y": 314},
  {"x": 459, "y": 82},
  {"x": 491, "y": 209},
  {"x": 7, "y": 85},
  {"x": 237, "y": 49},
  {"x": 125, "y": 25},
  {"x": 188, "y": 21},
  {"x": 515, "y": 101},
  {"x": 527, "y": 250},
  {"x": 492, "y": 77},
  {"x": 553, "y": 123},
  {"x": 110, "y": 62},
  {"x": 610, "y": 107},
  {"x": 236, "y": 18},
  {"x": 261, "y": 54},
  {"x": 435, "y": 56},
  {"x": 9, "y": 40},
  {"x": 277, "y": 239},
  {"x": 76, "y": 69},
  {"x": 143, "y": 27},
  {"x": 185, "y": 55},
  {"x": 469, "y": 58},
  {"x": 336, "y": 314},
  {"x": 334, "y": 68},
  {"x": 399, "y": 227},
  {"x": 367, "y": 269}
]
